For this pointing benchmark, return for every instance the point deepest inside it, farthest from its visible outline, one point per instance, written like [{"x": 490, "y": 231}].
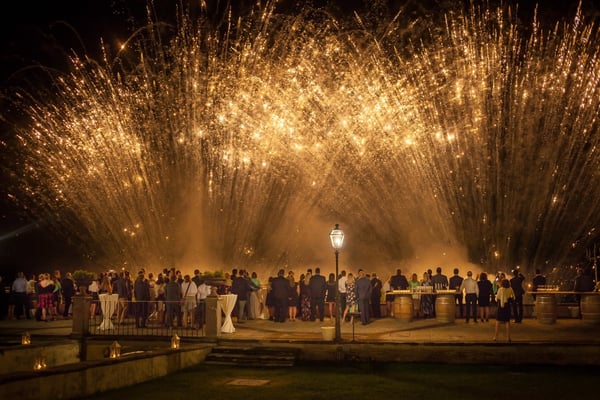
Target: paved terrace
[{"x": 384, "y": 330}]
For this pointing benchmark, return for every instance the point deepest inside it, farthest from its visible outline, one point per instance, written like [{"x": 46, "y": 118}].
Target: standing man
[
  {"x": 455, "y": 282},
  {"x": 399, "y": 281},
  {"x": 141, "y": 292},
  {"x": 538, "y": 280},
  {"x": 21, "y": 299},
  {"x": 317, "y": 287},
  {"x": 239, "y": 286},
  {"x": 68, "y": 291},
  {"x": 279, "y": 292},
  {"x": 439, "y": 281},
  {"x": 172, "y": 298},
  {"x": 516, "y": 283},
  {"x": 471, "y": 289},
  {"x": 363, "y": 293},
  {"x": 376, "y": 286},
  {"x": 121, "y": 287}
]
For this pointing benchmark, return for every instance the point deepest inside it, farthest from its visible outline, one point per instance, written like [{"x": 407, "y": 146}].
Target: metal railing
[{"x": 148, "y": 318}]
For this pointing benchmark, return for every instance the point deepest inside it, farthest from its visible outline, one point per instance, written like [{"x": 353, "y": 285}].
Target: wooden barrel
[
  {"x": 445, "y": 308},
  {"x": 590, "y": 308},
  {"x": 403, "y": 307},
  {"x": 545, "y": 308}
]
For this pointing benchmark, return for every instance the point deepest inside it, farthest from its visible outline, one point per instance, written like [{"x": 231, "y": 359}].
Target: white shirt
[
  {"x": 342, "y": 284},
  {"x": 203, "y": 291},
  {"x": 469, "y": 285},
  {"x": 191, "y": 292}
]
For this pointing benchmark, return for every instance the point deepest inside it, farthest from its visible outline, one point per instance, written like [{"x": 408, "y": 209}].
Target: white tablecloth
[
  {"x": 227, "y": 303},
  {"x": 108, "y": 304}
]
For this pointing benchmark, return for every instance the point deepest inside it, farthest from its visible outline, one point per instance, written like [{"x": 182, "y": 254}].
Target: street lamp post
[{"x": 337, "y": 240}]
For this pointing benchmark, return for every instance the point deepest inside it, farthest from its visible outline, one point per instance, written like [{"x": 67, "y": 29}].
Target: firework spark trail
[{"x": 198, "y": 149}]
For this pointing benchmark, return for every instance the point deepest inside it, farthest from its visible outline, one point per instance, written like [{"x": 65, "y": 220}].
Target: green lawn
[{"x": 384, "y": 381}]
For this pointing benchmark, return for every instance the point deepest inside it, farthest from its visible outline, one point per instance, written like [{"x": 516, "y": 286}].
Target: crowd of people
[{"x": 173, "y": 299}]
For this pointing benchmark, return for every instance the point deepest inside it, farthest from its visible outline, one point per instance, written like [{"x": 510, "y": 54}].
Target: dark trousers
[
  {"x": 21, "y": 305},
  {"x": 281, "y": 309},
  {"x": 376, "y": 306},
  {"x": 517, "y": 308},
  {"x": 365, "y": 312},
  {"x": 68, "y": 301},
  {"x": 471, "y": 304},
  {"x": 458, "y": 299},
  {"x": 141, "y": 313},
  {"x": 172, "y": 311},
  {"x": 317, "y": 308}
]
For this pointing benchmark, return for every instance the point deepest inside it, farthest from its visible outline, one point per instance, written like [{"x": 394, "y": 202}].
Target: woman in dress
[
  {"x": 351, "y": 297},
  {"x": 304, "y": 297},
  {"x": 504, "y": 297},
  {"x": 485, "y": 295},
  {"x": 254, "y": 297},
  {"x": 331, "y": 292},
  {"x": 45, "y": 296},
  {"x": 293, "y": 297},
  {"x": 413, "y": 284},
  {"x": 427, "y": 300}
]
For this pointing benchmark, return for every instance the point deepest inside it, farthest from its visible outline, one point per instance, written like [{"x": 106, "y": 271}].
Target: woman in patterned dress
[
  {"x": 351, "y": 297},
  {"x": 45, "y": 296},
  {"x": 304, "y": 297},
  {"x": 427, "y": 300}
]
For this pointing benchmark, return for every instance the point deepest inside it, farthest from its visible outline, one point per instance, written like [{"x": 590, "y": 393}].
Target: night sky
[{"x": 39, "y": 33}]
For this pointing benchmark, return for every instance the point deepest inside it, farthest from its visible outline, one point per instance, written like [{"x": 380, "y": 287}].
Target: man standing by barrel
[{"x": 471, "y": 289}]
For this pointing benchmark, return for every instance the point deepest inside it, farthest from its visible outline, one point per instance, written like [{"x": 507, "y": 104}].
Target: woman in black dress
[
  {"x": 485, "y": 295},
  {"x": 331, "y": 291},
  {"x": 504, "y": 297}
]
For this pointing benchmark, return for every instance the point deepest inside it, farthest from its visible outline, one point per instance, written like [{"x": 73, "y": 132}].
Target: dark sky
[{"x": 38, "y": 32}]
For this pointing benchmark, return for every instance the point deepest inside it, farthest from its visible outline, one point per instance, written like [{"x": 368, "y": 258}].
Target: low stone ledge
[{"x": 89, "y": 377}]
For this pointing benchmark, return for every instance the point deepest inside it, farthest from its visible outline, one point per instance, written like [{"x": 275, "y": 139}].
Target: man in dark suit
[
  {"x": 318, "y": 287},
  {"x": 455, "y": 282},
  {"x": 279, "y": 292},
  {"x": 516, "y": 283},
  {"x": 376, "y": 286},
  {"x": 363, "y": 293},
  {"x": 398, "y": 281},
  {"x": 538, "y": 280},
  {"x": 68, "y": 291}
]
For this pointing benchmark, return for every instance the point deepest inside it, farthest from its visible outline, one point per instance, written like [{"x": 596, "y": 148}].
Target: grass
[{"x": 367, "y": 381}]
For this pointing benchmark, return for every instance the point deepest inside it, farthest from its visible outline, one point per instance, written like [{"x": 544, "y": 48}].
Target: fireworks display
[{"x": 207, "y": 148}]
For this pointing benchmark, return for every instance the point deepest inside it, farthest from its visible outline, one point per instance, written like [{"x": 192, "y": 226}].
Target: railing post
[
  {"x": 214, "y": 319},
  {"x": 81, "y": 315}
]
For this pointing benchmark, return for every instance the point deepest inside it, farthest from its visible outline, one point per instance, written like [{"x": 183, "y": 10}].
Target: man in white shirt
[
  {"x": 471, "y": 289},
  {"x": 342, "y": 289}
]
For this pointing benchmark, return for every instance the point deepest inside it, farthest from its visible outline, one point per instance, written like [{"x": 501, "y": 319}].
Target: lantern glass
[
  {"x": 26, "y": 339},
  {"x": 175, "y": 341},
  {"x": 337, "y": 237},
  {"x": 115, "y": 350},
  {"x": 39, "y": 363}
]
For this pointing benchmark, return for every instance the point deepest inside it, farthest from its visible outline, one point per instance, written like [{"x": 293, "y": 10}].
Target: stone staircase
[{"x": 252, "y": 356}]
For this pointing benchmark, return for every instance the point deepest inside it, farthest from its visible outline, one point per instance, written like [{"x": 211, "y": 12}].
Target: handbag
[{"x": 182, "y": 300}]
